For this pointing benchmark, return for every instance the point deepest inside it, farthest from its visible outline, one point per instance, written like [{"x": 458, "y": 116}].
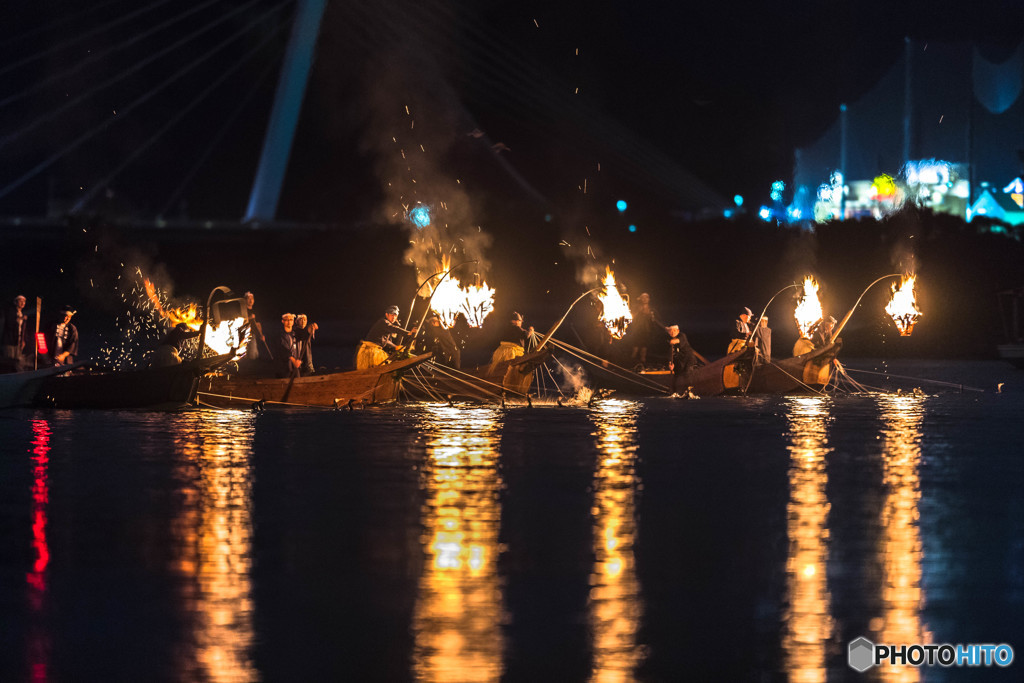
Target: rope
[
  {"x": 573, "y": 351},
  {"x": 798, "y": 381},
  {"x": 919, "y": 379}
]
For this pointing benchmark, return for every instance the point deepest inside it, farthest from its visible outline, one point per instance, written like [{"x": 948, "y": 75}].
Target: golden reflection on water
[
  {"x": 808, "y": 619},
  {"x": 458, "y": 614},
  {"x": 214, "y": 532},
  {"x": 616, "y": 604},
  {"x": 900, "y": 544}
]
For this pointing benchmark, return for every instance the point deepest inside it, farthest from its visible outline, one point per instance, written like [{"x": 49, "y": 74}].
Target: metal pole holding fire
[
  {"x": 765, "y": 310},
  {"x": 423, "y": 284},
  {"x": 846, "y": 319},
  {"x": 559, "y": 323},
  {"x": 431, "y": 297},
  {"x": 206, "y": 317}
]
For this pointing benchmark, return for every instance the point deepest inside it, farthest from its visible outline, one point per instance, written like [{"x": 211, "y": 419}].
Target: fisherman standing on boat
[
  {"x": 436, "y": 339},
  {"x": 513, "y": 340},
  {"x": 822, "y": 334},
  {"x": 14, "y": 327},
  {"x": 62, "y": 338},
  {"x": 252, "y": 350},
  {"x": 304, "y": 336},
  {"x": 681, "y": 356},
  {"x": 288, "y": 349},
  {"x": 741, "y": 333},
  {"x": 763, "y": 340},
  {"x": 384, "y": 337}
]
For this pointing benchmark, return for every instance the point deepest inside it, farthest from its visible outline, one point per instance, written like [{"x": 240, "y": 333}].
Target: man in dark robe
[
  {"x": 286, "y": 355},
  {"x": 168, "y": 351},
  {"x": 14, "y": 333},
  {"x": 304, "y": 336},
  {"x": 763, "y": 341},
  {"x": 438, "y": 340},
  {"x": 62, "y": 339}
]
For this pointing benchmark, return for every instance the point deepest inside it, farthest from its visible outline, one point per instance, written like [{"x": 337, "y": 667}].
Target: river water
[{"x": 739, "y": 539}]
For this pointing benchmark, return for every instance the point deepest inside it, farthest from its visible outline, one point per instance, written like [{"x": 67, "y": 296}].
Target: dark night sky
[{"x": 671, "y": 101}]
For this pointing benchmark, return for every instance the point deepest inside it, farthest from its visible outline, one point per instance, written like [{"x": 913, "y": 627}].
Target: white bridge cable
[
  {"x": 100, "y": 54},
  {"x": 82, "y": 36},
  {"x": 138, "y": 66},
  {"x": 181, "y": 113},
  {"x": 215, "y": 141},
  {"x": 81, "y": 139}
]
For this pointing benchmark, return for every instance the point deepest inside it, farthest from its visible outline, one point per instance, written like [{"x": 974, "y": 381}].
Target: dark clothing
[
  {"x": 641, "y": 329},
  {"x": 304, "y": 338},
  {"x": 439, "y": 341},
  {"x": 681, "y": 355},
  {"x": 287, "y": 350},
  {"x": 252, "y": 349},
  {"x": 763, "y": 343},
  {"x": 515, "y": 334},
  {"x": 61, "y": 337},
  {"x": 178, "y": 336},
  {"x": 819, "y": 337},
  {"x": 14, "y": 327},
  {"x": 386, "y": 334}
]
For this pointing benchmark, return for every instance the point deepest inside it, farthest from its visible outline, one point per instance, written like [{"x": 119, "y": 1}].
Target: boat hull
[
  {"x": 19, "y": 389},
  {"x": 164, "y": 388},
  {"x": 337, "y": 389},
  {"x": 432, "y": 382}
]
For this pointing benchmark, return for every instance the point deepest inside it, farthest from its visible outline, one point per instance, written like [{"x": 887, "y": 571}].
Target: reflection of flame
[
  {"x": 458, "y": 614},
  {"x": 615, "y": 602},
  {"x": 900, "y": 545},
  {"x": 38, "y": 640},
  {"x": 616, "y": 315},
  {"x": 808, "y": 618},
  {"x": 229, "y": 334},
  {"x": 216, "y": 543},
  {"x": 808, "y": 311},
  {"x": 903, "y": 307},
  {"x": 450, "y": 298}
]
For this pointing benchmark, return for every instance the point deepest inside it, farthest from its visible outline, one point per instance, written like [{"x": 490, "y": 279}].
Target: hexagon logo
[{"x": 861, "y": 654}]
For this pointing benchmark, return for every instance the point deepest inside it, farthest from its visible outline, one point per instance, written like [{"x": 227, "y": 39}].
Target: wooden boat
[
  {"x": 809, "y": 372},
  {"x": 335, "y": 389},
  {"x": 514, "y": 378},
  {"x": 19, "y": 389},
  {"x": 158, "y": 388}
]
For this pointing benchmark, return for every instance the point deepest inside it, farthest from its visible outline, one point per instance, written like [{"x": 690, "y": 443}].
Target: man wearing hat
[
  {"x": 286, "y": 355},
  {"x": 741, "y": 332},
  {"x": 384, "y": 337},
  {"x": 513, "y": 340},
  {"x": 13, "y": 333},
  {"x": 822, "y": 333},
  {"x": 62, "y": 338}
]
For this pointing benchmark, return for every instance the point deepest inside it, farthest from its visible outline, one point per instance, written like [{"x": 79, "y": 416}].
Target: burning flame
[
  {"x": 221, "y": 339},
  {"x": 808, "y": 310},
  {"x": 450, "y": 298},
  {"x": 615, "y": 316},
  {"x": 903, "y": 308}
]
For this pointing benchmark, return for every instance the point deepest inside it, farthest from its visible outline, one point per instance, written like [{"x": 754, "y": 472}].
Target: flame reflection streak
[
  {"x": 809, "y": 624},
  {"x": 900, "y": 546},
  {"x": 38, "y": 640},
  {"x": 215, "y": 540},
  {"x": 616, "y": 605},
  {"x": 458, "y": 614}
]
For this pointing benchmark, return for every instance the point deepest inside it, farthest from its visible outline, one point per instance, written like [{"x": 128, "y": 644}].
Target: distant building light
[
  {"x": 632, "y": 228},
  {"x": 738, "y": 200},
  {"x": 621, "y": 205},
  {"x": 1016, "y": 186},
  {"x": 727, "y": 213},
  {"x": 765, "y": 213}
]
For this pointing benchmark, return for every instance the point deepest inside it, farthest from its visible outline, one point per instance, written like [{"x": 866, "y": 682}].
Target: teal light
[
  {"x": 621, "y": 205},
  {"x": 632, "y": 228},
  {"x": 738, "y": 200}
]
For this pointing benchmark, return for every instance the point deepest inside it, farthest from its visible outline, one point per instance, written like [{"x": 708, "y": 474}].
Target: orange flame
[
  {"x": 221, "y": 339},
  {"x": 903, "y": 306},
  {"x": 616, "y": 315},
  {"x": 808, "y": 310},
  {"x": 450, "y": 298}
]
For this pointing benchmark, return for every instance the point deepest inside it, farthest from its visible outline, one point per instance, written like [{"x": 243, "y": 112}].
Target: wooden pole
[{"x": 35, "y": 337}]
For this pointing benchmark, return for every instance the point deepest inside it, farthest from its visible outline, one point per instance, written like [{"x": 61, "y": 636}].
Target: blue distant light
[
  {"x": 765, "y": 213},
  {"x": 621, "y": 205},
  {"x": 632, "y": 228},
  {"x": 738, "y": 200},
  {"x": 419, "y": 216}
]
